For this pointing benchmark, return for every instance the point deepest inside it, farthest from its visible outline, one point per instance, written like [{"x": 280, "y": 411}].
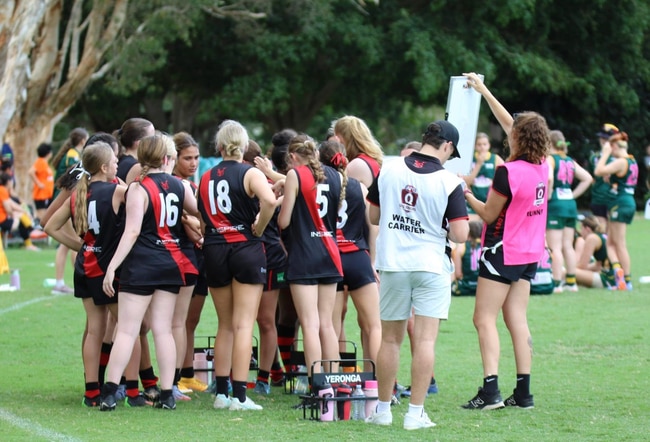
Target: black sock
[
  {"x": 276, "y": 365},
  {"x": 491, "y": 384},
  {"x": 148, "y": 378},
  {"x": 286, "y": 338},
  {"x": 92, "y": 390},
  {"x": 263, "y": 376},
  {"x": 109, "y": 388},
  {"x": 187, "y": 372},
  {"x": 239, "y": 390},
  {"x": 177, "y": 376},
  {"x": 132, "y": 388},
  {"x": 523, "y": 385},
  {"x": 222, "y": 385},
  {"x": 165, "y": 394},
  {"x": 433, "y": 381}
]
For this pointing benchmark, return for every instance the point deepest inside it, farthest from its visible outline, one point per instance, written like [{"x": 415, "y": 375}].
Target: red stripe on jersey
[
  {"x": 309, "y": 189},
  {"x": 372, "y": 163},
  {"x": 345, "y": 246},
  {"x": 164, "y": 232},
  {"x": 217, "y": 221}
]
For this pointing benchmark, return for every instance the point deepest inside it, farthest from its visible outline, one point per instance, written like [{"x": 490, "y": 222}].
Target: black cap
[{"x": 450, "y": 133}]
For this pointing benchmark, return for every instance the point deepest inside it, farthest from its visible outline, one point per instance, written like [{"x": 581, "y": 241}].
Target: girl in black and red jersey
[
  {"x": 97, "y": 209},
  {"x": 155, "y": 267},
  {"x": 312, "y": 197},
  {"x": 236, "y": 204},
  {"x": 187, "y": 162},
  {"x": 358, "y": 273}
]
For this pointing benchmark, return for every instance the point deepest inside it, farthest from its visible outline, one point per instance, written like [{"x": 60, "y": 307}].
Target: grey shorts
[{"x": 429, "y": 294}]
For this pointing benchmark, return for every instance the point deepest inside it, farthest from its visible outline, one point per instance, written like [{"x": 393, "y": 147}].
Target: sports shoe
[
  {"x": 168, "y": 403},
  {"x": 183, "y": 389},
  {"x": 222, "y": 401},
  {"x": 433, "y": 388},
  {"x": 515, "y": 400},
  {"x": 32, "y": 248},
  {"x": 570, "y": 288},
  {"x": 383, "y": 418},
  {"x": 417, "y": 422},
  {"x": 120, "y": 394},
  {"x": 107, "y": 403},
  {"x": 137, "y": 401},
  {"x": 394, "y": 400},
  {"x": 619, "y": 277},
  {"x": 628, "y": 286},
  {"x": 262, "y": 388},
  {"x": 192, "y": 384},
  {"x": 90, "y": 401},
  {"x": 62, "y": 290},
  {"x": 178, "y": 394},
  {"x": 558, "y": 289},
  {"x": 37, "y": 233},
  {"x": 484, "y": 401},
  {"x": 248, "y": 404},
  {"x": 152, "y": 393}
]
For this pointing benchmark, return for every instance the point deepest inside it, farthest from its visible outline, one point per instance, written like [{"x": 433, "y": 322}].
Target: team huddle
[{"x": 284, "y": 239}]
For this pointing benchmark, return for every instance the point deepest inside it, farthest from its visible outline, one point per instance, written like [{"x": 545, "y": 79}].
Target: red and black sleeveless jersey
[
  {"x": 351, "y": 227},
  {"x": 227, "y": 210},
  {"x": 194, "y": 254},
  {"x": 156, "y": 257},
  {"x": 312, "y": 248},
  {"x": 372, "y": 164},
  {"x": 105, "y": 229}
]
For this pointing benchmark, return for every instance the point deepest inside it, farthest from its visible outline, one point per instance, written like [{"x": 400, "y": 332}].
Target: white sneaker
[
  {"x": 417, "y": 422},
  {"x": 248, "y": 404},
  {"x": 383, "y": 418},
  {"x": 222, "y": 402}
]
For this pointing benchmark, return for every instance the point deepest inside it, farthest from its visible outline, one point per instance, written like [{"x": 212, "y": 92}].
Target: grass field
[{"x": 590, "y": 374}]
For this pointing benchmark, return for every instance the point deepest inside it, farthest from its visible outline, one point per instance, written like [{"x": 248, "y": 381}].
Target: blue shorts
[{"x": 357, "y": 270}]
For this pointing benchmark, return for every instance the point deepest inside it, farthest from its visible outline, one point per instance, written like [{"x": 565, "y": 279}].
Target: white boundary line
[
  {"x": 18, "y": 306},
  {"x": 33, "y": 428}
]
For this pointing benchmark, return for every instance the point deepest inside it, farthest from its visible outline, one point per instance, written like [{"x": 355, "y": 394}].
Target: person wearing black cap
[
  {"x": 419, "y": 207},
  {"x": 513, "y": 243},
  {"x": 602, "y": 195}
]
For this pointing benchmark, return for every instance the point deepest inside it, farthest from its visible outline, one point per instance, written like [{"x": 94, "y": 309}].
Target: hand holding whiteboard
[{"x": 463, "y": 104}]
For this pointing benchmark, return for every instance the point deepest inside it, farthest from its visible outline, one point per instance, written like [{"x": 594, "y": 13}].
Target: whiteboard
[{"x": 463, "y": 104}]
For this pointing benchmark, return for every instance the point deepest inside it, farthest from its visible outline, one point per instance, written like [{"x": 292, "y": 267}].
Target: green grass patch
[{"x": 589, "y": 373}]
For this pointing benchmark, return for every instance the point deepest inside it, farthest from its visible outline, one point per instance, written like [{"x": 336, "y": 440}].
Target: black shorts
[
  {"x": 357, "y": 270},
  {"x": 492, "y": 267},
  {"x": 599, "y": 210},
  {"x": 42, "y": 204},
  {"x": 276, "y": 256},
  {"x": 147, "y": 290},
  {"x": 201, "y": 286},
  {"x": 275, "y": 279},
  {"x": 7, "y": 225},
  {"x": 316, "y": 281},
  {"x": 85, "y": 288},
  {"x": 242, "y": 261}
]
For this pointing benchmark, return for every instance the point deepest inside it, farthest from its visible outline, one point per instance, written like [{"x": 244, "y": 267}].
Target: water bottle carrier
[{"x": 312, "y": 401}]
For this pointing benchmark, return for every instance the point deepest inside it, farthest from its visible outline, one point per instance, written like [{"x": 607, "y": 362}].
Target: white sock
[
  {"x": 383, "y": 406},
  {"x": 60, "y": 282},
  {"x": 415, "y": 410}
]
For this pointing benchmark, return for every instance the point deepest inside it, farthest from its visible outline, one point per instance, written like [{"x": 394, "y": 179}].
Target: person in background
[
  {"x": 129, "y": 136},
  {"x": 542, "y": 283},
  {"x": 563, "y": 210},
  {"x": 623, "y": 172},
  {"x": 484, "y": 164},
  {"x": 43, "y": 179},
  {"x": 466, "y": 258},
  {"x": 602, "y": 194},
  {"x": 593, "y": 268},
  {"x": 68, "y": 155},
  {"x": 10, "y": 211},
  {"x": 513, "y": 243}
]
